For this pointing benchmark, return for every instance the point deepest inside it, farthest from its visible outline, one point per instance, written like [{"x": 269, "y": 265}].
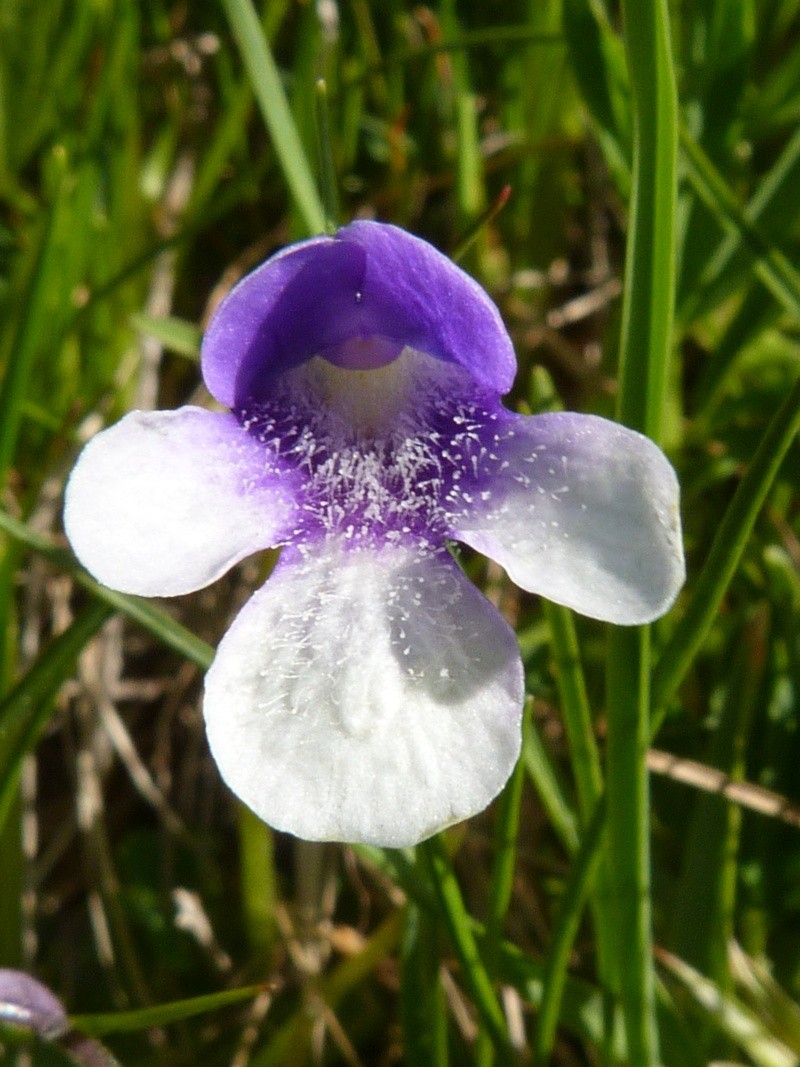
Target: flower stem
[
  {"x": 646, "y": 344},
  {"x": 312, "y": 876}
]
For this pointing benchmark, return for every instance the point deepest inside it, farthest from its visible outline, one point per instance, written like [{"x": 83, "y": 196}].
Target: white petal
[
  {"x": 165, "y": 502},
  {"x": 366, "y": 696},
  {"x": 584, "y": 512}
]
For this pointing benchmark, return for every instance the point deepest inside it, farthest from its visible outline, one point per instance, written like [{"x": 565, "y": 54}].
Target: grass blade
[
  {"x": 26, "y": 337},
  {"x": 119, "y": 1022},
  {"x": 546, "y": 782},
  {"x": 738, "y": 1023},
  {"x": 422, "y": 1005},
  {"x": 147, "y": 615},
  {"x": 772, "y": 267},
  {"x": 768, "y": 210},
  {"x": 176, "y": 334},
  {"x": 646, "y": 344},
  {"x": 585, "y": 761},
  {"x": 584, "y": 755},
  {"x": 24, "y": 713},
  {"x": 434, "y": 856},
  {"x": 269, "y": 93},
  {"x": 599, "y": 64},
  {"x": 583, "y": 872},
  {"x": 726, "y": 551}
]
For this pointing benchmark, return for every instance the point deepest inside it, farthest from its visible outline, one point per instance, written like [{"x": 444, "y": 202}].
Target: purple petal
[
  {"x": 371, "y": 282},
  {"x": 87, "y": 1052},
  {"x": 26, "y": 1003}
]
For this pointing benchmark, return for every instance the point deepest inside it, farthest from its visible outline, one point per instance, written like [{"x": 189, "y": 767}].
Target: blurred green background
[{"x": 138, "y": 181}]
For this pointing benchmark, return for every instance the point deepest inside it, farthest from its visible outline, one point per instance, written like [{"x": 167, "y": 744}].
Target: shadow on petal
[{"x": 366, "y": 695}]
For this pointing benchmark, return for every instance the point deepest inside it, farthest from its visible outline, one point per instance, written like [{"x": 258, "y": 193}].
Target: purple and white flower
[{"x": 369, "y": 692}]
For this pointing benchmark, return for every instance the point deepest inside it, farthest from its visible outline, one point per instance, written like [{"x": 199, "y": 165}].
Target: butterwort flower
[
  {"x": 29, "y": 1010},
  {"x": 368, "y": 692}
]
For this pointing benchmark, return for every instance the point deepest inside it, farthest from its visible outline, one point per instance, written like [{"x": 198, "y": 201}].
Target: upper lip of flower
[
  {"x": 369, "y": 280},
  {"x": 365, "y": 373}
]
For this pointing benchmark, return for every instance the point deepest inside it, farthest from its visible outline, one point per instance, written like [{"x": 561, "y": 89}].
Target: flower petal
[
  {"x": 29, "y": 1005},
  {"x": 165, "y": 502},
  {"x": 369, "y": 696},
  {"x": 582, "y": 511},
  {"x": 370, "y": 281}
]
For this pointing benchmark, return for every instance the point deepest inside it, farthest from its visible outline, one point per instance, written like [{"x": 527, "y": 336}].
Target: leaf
[
  {"x": 176, "y": 334},
  {"x": 162, "y": 1014},
  {"x": 268, "y": 90},
  {"x": 25, "y": 712},
  {"x": 735, "y": 1021},
  {"x": 147, "y": 615}
]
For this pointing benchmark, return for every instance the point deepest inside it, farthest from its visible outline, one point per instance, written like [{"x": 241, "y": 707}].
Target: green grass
[{"x": 153, "y": 151}]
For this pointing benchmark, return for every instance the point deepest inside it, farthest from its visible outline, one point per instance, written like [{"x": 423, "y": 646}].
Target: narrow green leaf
[
  {"x": 259, "y": 885},
  {"x": 422, "y": 1002},
  {"x": 584, "y": 870},
  {"x": 12, "y": 882},
  {"x": 147, "y": 615},
  {"x": 327, "y": 167},
  {"x": 584, "y": 755},
  {"x": 771, "y": 266},
  {"x": 732, "y": 1019},
  {"x": 645, "y": 349},
  {"x": 470, "y": 185},
  {"x": 506, "y": 829},
  {"x": 598, "y": 61},
  {"x": 176, "y": 334},
  {"x": 119, "y": 1022},
  {"x": 646, "y": 335},
  {"x": 628, "y": 840},
  {"x": 268, "y": 89},
  {"x": 25, "y": 712},
  {"x": 581, "y": 1010},
  {"x": 546, "y": 782},
  {"x": 501, "y": 885},
  {"x": 726, "y": 552},
  {"x": 585, "y": 761},
  {"x": 433, "y": 855},
  {"x": 768, "y": 209},
  {"x": 26, "y": 334}
]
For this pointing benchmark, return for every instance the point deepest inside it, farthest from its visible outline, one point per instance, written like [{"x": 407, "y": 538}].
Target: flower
[
  {"x": 30, "y": 1006},
  {"x": 368, "y": 692},
  {"x": 28, "y": 1009}
]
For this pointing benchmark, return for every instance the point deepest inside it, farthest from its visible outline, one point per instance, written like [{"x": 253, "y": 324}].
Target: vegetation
[{"x": 646, "y": 263}]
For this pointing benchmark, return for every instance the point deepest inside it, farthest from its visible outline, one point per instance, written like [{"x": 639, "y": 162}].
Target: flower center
[
  {"x": 385, "y": 454},
  {"x": 363, "y": 353},
  {"x": 364, "y": 401}
]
